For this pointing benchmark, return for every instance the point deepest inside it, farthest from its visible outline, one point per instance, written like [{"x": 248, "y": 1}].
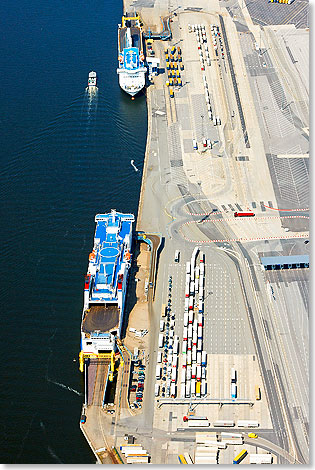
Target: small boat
[{"x": 92, "y": 79}]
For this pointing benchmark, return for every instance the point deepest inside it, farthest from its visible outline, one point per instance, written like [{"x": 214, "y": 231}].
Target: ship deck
[
  {"x": 101, "y": 317},
  {"x": 136, "y": 38}
]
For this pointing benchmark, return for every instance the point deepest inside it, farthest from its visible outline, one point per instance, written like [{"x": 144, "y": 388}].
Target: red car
[{"x": 133, "y": 388}]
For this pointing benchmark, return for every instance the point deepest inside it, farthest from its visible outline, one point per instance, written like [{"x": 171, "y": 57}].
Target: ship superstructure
[
  {"x": 92, "y": 80},
  {"x": 131, "y": 70},
  {"x": 106, "y": 284}
]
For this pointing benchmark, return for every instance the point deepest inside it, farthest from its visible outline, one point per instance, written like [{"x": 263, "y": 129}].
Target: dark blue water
[{"x": 64, "y": 158}]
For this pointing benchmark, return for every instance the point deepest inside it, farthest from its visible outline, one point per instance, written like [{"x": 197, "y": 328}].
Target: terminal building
[{"x": 285, "y": 262}]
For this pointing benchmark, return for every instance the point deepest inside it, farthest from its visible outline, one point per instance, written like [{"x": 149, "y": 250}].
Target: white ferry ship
[
  {"x": 131, "y": 70},
  {"x": 106, "y": 284}
]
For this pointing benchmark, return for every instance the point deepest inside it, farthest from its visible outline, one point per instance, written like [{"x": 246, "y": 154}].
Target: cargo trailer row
[{"x": 194, "y": 358}]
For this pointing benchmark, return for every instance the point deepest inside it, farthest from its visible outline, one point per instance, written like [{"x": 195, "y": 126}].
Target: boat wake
[
  {"x": 51, "y": 452},
  {"x": 66, "y": 387}
]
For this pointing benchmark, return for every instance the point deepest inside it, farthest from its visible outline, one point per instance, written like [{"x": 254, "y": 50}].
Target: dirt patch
[{"x": 139, "y": 313}]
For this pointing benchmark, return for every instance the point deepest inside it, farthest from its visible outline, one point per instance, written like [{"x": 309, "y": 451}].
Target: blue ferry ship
[{"x": 106, "y": 284}]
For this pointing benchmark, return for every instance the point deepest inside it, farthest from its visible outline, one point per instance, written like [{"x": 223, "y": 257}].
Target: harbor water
[{"x": 65, "y": 156}]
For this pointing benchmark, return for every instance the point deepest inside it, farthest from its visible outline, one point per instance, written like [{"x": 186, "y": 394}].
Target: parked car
[{"x": 133, "y": 388}]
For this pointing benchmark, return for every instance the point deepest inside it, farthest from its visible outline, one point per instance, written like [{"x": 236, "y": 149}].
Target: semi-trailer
[
  {"x": 233, "y": 391},
  {"x": 198, "y": 373},
  {"x": 260, "y": 458},
  {"x": 158, "y": 371},
  {"x": 198, "y": 423},
  {"x": 183, "y": 376},
  {"x": 203, "y": 358},
  {"x": 190, "y": 330},
  {"x": 187, "y": 391},
  {"x": 161, "y": 340},
  {"x": 193, "y": 387},
  {"x": 182, "y": 390},
  {"x": 189, "y": 372},
  {"x": 231, "y": 435},
  {"x": 203, "y": 387},
  {"x": 184, "y": 347},
  {"x": 199, "y": 345},
  {"x": 198, "y": 389},
  {"x": 162, "y": 325},
  {"x": 191, "y": 302},
  {"x": 200, "y": 319},
  {"x": 194, "y": 353},
  {"x": 193, "y": 371},
  {"x": 221, "y": 423},
  {"x": 187, "y": 267},
  {"x": 233, "y": 376},
  {"x": 244, "y": 214},
  {"x": 241, "y": 456},
  {"x": 173, "y": 390},
  {"x": 186, "y": 316},
  {"x": 247, "y": 424},
  {"x": 185, "y": 333},
  {"x": 199, "y": 358}
]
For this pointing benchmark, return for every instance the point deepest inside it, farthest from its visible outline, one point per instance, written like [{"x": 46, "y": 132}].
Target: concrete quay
[{"x": 189, "y": 197}]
